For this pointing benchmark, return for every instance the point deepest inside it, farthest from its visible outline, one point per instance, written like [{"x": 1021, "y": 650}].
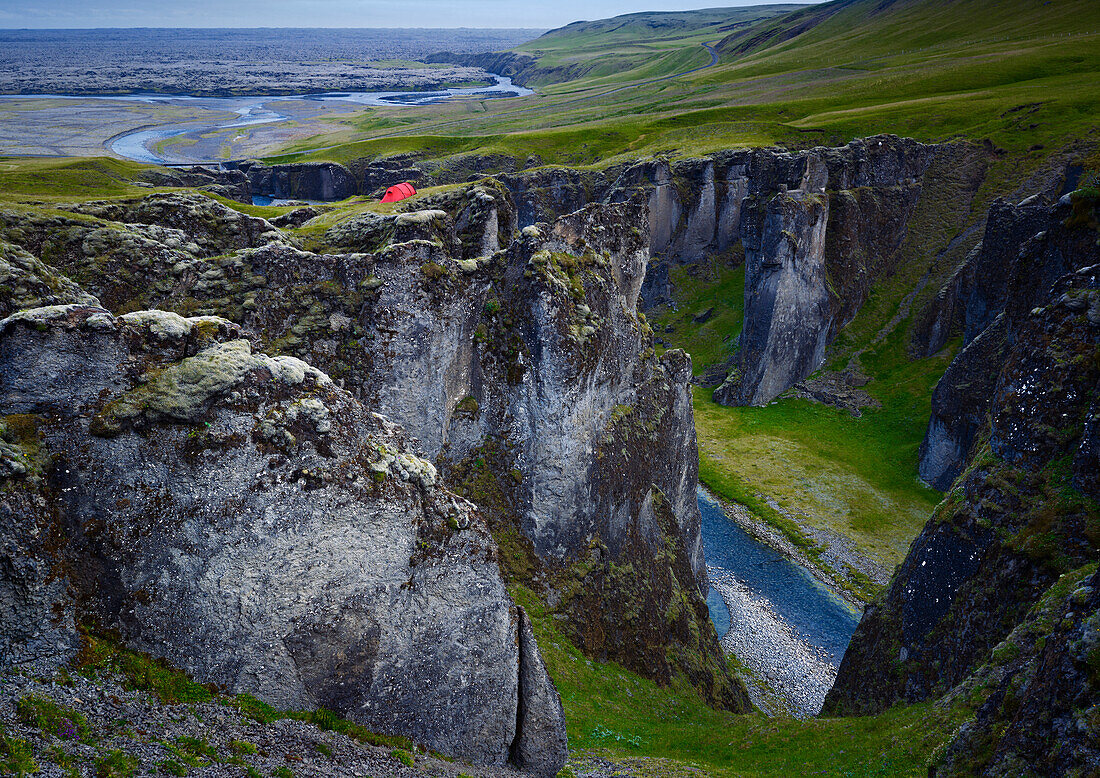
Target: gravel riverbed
[
  {"x": 785, "y": 664},
  {"x": 787, "y": 627}
]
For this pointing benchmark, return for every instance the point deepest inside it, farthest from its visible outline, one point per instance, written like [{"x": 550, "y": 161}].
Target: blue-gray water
[
  {"x": 250, "y": 111},
  {"x": 779, "y": 620}
]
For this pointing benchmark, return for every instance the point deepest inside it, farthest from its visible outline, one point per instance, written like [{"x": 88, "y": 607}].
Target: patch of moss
[
  {"x": 16, "y": 756},
  {"x": 115, "y": 764},
  {"x": 257, "y": 710},
  {"x": 103, "y": 653},
  {"x": 486, "y": 477},
  {"x": 433, "y": 271},
  {"x": 52, "y": 719},
  {"x": 242, "y": 747},
  {"x": 468, "y": 406}
]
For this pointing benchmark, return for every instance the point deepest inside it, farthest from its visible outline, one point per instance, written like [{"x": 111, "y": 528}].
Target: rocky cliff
[
  {"x": 1025, "y": 249},
  {"x": 301, "y": 181},
  {"x": 798, "y": 295},
  {"x": 242, "y": 517},
  {"x": 803, "y": 284},
  {"x": 518, "y": 362},
  {"x": 1022, "y": 519},
  {"x": 518, "y": 67}
]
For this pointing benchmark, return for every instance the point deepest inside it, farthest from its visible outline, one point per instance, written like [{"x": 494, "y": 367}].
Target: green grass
[
  {"x": 613, "y": 711},
  {"x": 67, "y": 179},
  {"x": 16, "y": 756},
  {"x": 102, "y": 653},
  {"x": 635, "y": 46},
  {"x": 699, "y": 288},
  {"x": 53, "y": 720},
  {"x": 855, "y": 476}
]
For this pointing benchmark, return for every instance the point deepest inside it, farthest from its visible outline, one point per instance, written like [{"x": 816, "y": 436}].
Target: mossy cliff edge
[{"x": 517, "y": 363}]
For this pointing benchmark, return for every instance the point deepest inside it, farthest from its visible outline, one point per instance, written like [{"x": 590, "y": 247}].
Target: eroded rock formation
[
  {"x": 986, "y": 597},
  {"x": 244, "y": 518},
  {"x": 517, "y": 361}
]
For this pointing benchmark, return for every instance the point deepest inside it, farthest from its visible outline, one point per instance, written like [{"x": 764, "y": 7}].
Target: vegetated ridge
[{"x": 899, "y": 238}]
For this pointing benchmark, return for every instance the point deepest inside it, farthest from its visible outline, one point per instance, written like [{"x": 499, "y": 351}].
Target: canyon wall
[
  {"x": 995, "y": 596},
  {"x": 518, "y": 362}
]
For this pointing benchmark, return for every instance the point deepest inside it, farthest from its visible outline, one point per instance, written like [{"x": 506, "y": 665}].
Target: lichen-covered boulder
[
  {"x": 214, "y": 227},
  {"x": 26, "y": 282},
  {"x": 247, "y": 520}
]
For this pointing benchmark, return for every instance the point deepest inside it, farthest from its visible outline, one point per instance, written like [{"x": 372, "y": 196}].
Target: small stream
[
  {"x": 261, "y": 110},
  {"x": 779, "y": 620},
  {"x": 139, "y": 145}
]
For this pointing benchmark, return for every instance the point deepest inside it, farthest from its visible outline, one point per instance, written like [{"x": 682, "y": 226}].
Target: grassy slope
[
  {"x": 616, "y": 713},
  {"x": 929, "y": 69},
  {"x": 68, "y": 179},
  {"x": 638, "y": 46}
]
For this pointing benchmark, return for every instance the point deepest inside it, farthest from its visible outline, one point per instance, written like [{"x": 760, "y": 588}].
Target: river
[
  {"x": 139, "y": 145},
  {"x": 780, "y": 621}
]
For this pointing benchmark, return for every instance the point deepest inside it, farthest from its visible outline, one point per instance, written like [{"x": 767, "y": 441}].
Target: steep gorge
[{"x": 526, "y": 372}]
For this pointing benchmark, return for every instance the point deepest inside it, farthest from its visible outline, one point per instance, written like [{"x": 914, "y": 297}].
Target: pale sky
[{"x": 326, "y": 13}]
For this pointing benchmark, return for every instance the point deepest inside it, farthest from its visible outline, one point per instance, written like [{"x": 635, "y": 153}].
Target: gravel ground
[
  {"x": 153, "y": 736},
  {"x": 797, "y": 673},
  {"x": 585, "y": 764}
]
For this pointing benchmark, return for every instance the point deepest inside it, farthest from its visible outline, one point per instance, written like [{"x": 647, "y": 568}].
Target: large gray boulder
[{"x": 247, "y": 520}]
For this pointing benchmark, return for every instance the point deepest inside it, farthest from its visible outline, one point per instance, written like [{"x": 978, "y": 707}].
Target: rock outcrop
[
  {"x": 1024, "y": 511},
  {"x": 1026, "y": 248},
  {"x": 818, "y": 229},
  {"x": 787, "y": 313},
  {"x": 522, "y": 366},
  {"x": 242, "y": 517},
  {"x": 232, "y": 184},
  {"x": 26, "y": 282},
  {"x": 1039, "y": 694},
  {"x": 301, "y": 180},
  {"x": 797, "y": 297}
]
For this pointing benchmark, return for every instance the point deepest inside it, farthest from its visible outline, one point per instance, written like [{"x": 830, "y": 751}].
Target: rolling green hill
[
  {"x": 1026, "y": 76},
  {"x": 638, "y": 45}
]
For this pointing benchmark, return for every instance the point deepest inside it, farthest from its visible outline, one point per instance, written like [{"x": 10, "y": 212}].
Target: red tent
[{"x": 399, "y": 192}]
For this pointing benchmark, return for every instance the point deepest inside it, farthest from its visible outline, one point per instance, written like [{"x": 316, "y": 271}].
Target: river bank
[
  {"x": 835, "y": 551},
  {"x": 786, "y": 628},
  {"x": 191, "y": 129}
]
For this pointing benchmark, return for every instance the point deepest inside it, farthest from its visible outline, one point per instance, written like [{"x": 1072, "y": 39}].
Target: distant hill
[
  {"x": 650, "y": 25},
  {"x": 654, "y": 43},
  {"x": 873, "y": 27}
]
